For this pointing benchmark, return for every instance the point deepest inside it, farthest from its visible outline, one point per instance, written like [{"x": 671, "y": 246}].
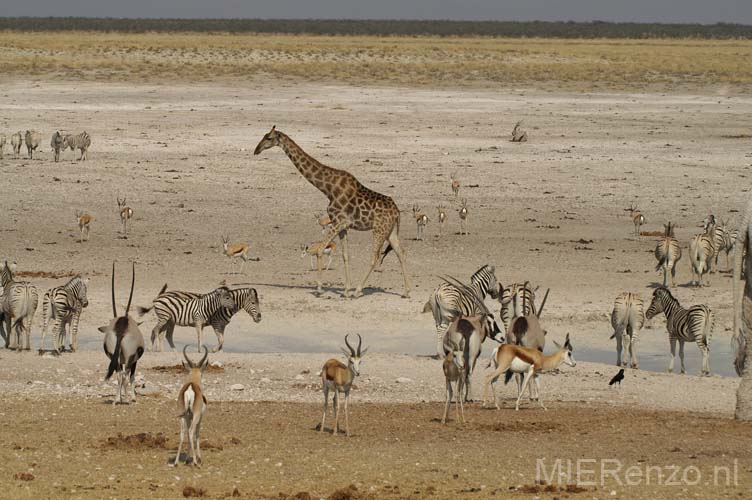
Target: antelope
[
  {"x": 123, "y": 344},
  {"x": 442, "y": 218},
  {"x": 455, "y": 184},
  {"x": 324, "y": 221},
  {"x": 337, "y": 377},
  {"x": 235, "y": 250},
  {"x": 312, "y": 249},
  {"x": 83, "y": 220},
  {"x": 421, "y": 220},
  {"x": 455, "y": 372},
  {"x": 463, "y": 216},
  {"x": 529, "y": 362},
  {"x": 637, "y": 218},
  {"x": 191, "y": 408},
  {"x": 126, "y": 213}
]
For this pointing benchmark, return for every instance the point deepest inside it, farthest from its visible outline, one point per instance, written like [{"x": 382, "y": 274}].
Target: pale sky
[{"x": 664, "y": 11}]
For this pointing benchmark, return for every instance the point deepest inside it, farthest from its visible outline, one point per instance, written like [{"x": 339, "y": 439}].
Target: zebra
[
  {"x": 701, "y": 252},
  {"x": 16, "y": 140},
  {"x": 63, "y": 305},
  {"x": 80, "y": 141},
  {"x": 245, "y": 299},
  {"x": 56, "y": 144},
  {"x": 668, "y": 253},
  {"x": 20, "y": 299},
  {"x": 32, "y": 139},
  {"x": 518, "y": 299},
  {"x": 685, "y": 325},
  {"x": 448, "y": 301},
  {"x": 185, "y": 309},
  {"x": 627, "y": 318},
  {"x": 724, "y": 240}
]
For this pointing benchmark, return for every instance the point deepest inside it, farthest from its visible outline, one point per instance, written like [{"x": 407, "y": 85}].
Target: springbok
[
  {"x": 529, "y": 362},
  {"x": 126, "y": 213},
  {"x": 312, "y": 249},
  {"x": 421, "y": 220},
  {"x": 455, "y": 184},
  {"x": 83, "y": 221},
  {"x": 191, "y": 408},
  {"x": 463, "y": 216},
  {"x": 324, "y": 222},
  {"x": 123, "y": 344},
  {"x": 442, "y": 218},
  {"x": 235, "y": 251},
  {"x": 454, "y": 373},
  {"x": 337, "y": 377},
  {"x": 637, "y": 218}
]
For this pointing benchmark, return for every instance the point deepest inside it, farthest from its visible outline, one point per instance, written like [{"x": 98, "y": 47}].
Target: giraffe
[{"x": 351, "y": 206}]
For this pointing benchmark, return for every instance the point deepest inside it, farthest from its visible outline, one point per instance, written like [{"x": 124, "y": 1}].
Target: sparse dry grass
[{"x": 619, "y": 64}]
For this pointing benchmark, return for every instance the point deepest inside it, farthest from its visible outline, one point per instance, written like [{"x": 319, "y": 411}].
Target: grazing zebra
[
  {"x": 57, "y": 144},
  {"x": 518, "y": 299},
  {"x": 185, "y": 309},
  {"x": 701, "y": 252},
  {"x": 685, "y": 325},
  {"x": 32, "y": 139},
  {"x": 2, "y": 145},
  {"x": 448, "y": 301},
  {"x": 627, "y": 318},
  {"x": 63, "y": 305},
  {"x": 80, "y": 141},
  {"x": 668, "y": 252},
  {"x": 16, "y": 140},
  {"x": 20, "y": 299}
]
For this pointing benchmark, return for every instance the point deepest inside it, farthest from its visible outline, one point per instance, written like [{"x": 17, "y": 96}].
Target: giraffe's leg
[{"x": 378, "y": 243}]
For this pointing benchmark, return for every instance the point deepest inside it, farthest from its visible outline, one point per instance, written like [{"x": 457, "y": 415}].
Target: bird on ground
[{"x": 617, "y": 378}]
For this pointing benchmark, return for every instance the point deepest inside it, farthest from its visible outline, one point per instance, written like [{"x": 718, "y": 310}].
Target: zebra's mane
[
  {"x": 70, "y": 281},
  {"x": 481, "y": 273}
]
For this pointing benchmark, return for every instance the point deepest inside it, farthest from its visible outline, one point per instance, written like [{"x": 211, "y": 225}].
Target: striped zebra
[
  {"x": 685, "y": 325},
  {"x": 63, "y": 306},
  {"x": 724, "y": 240},
  {"x": 518, "y": 299},
  {"x": 668, "y": 253},
  {"x": 16, "y": 140},
  {"x": 20, "y": 299},
  {"x": 448, "y": 301},
  {"x": 80, "y": 141},
  {"x": 627, "y": 319},
  {"x": 701, "y": 253},
  {"x": 32, "y": 139},
  {"x": 245, "y": 299},
  {"x": 56, "y": 143},
  {"x": 185, "y": 309}
]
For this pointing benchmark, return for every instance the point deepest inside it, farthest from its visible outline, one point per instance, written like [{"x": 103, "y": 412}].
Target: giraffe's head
[{"x": 268, "y": 141}]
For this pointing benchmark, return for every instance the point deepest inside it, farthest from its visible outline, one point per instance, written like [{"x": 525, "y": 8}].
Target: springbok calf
[
  {"x": 637, "y": 218},
  {"x": 126, "y": 213},
  {"x": 454, "y": 373},
  {"x": 235, "y": 251},
  {"x": 123, "y": 344},
  {"x": 312, "y": 249},
  {"x": 83, "y": 220},
  {"x": 337, "y": 377},
  {"x": 529, "y": 362},
  {"x": 455, "y": 184},
  {"x": 191, "y": 408}
]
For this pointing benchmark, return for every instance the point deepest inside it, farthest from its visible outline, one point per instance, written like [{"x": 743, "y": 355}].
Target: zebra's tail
[
  {"x": 115, "y": 359},
  {"x": 143, "y": 310},
  {"x": 662, "y": 261}
]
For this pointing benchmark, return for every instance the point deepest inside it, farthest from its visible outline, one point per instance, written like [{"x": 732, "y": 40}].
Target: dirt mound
[
  {"x": 522, "y": 427},
  {"x": 549, "y": 488},
  {"x": 180, "y": 369},
  {"x": 191, "y": 491},
  {"x": 659, "y": 234},
  {"x": 349, "y": 493},
  {"x": 44, "y": 274},
  {"x": 136, "y": 441}
]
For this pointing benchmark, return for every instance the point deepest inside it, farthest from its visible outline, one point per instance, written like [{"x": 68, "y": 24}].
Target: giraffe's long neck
[{"x": 313, "y": 170}]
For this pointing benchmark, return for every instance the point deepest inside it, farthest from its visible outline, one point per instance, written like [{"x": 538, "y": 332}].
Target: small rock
[
  {"x": 266, "y": 380},
  {"x": 404, "y": 380},
  {"x": 299, "y": 377},
  {"x": 237, "y": 387}
]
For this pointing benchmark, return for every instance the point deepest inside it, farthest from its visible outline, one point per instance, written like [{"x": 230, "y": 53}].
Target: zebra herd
[
  {"x": 63, "y": 306},
  {"x": 59, "y": 142}
]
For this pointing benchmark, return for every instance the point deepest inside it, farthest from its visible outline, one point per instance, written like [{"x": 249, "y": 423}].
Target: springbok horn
[
  {"x": 360, "y": 342},
  {"x": 114, "y": 309},
  {"x": 352, "y": 351},
  {"x": 133, "y": 283},
  {"x": 185, "y": 355},
  {"x": 206, "y": 355},
  {"x": 540, "y": 310}
]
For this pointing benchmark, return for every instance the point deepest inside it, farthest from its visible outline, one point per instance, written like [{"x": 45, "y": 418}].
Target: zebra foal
[
  {"x": 627, "y": 319},
  {"x": 20, "y": 299},
  {"x": 62, "y": 306},
  {"x": 80, "y": 141},
  {"x": 186, "y": 309},
  {"x": 449, "y": 301},
  {"x": 685, "y": 325}
]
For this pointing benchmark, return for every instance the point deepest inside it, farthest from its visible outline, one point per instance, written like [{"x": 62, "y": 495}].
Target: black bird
[{"x": 617, "y": 378}]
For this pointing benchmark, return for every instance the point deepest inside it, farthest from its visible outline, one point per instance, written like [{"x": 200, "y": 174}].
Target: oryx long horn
[
  {"x": 133, "y": 282},
  {"x": 114, "y": 309},
  {"x": 352, "y": 351},
  {"x": 543, "y": 303},
  {"x": 185, "y": 355}
]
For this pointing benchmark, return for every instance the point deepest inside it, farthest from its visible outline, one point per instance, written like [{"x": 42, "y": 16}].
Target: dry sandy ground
[{"x": 550, "y": 211}]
